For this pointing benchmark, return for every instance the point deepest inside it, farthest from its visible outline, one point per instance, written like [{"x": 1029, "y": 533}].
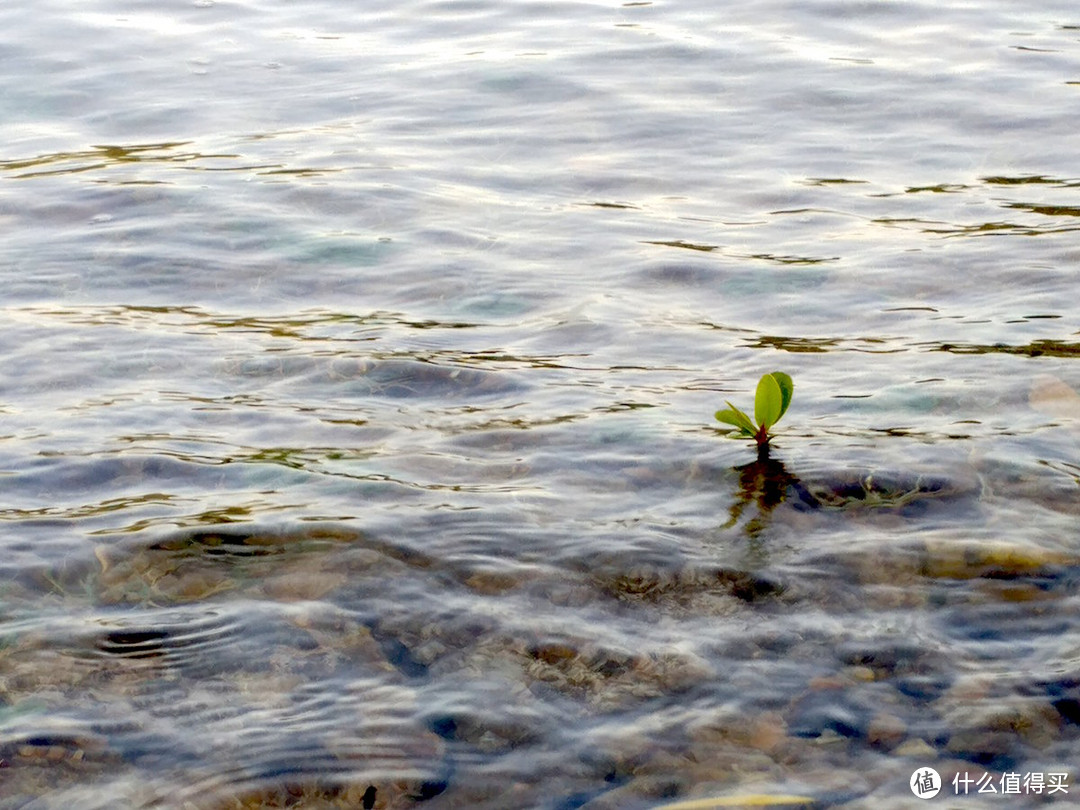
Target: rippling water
[{"x": 358, "y": 371}]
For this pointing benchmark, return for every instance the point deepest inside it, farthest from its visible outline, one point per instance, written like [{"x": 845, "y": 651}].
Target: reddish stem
[{"x": 762, "y": 436}]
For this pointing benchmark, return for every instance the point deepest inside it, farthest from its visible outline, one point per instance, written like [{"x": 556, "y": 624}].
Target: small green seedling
[{"x": 770, "y": 403}]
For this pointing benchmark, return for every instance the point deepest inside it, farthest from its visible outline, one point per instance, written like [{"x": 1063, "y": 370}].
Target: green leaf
[
  {"x": 733, "y": 416},
  {"x": 768, "y": 401},
  {"x": 787, "y": 387}
]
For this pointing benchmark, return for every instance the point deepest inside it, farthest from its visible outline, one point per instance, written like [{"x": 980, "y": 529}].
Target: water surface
[{"x": 358, "y": 376}]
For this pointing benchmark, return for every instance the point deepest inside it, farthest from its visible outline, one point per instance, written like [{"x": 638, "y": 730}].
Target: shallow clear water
[{"x": 358, "y": 371}]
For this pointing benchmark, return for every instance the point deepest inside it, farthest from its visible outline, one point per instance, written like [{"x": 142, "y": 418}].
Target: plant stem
[{"x": 762, "y": 437}]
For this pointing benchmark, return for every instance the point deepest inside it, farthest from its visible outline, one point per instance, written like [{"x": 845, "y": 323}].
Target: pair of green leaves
[{"x": 770, "y": 403}]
